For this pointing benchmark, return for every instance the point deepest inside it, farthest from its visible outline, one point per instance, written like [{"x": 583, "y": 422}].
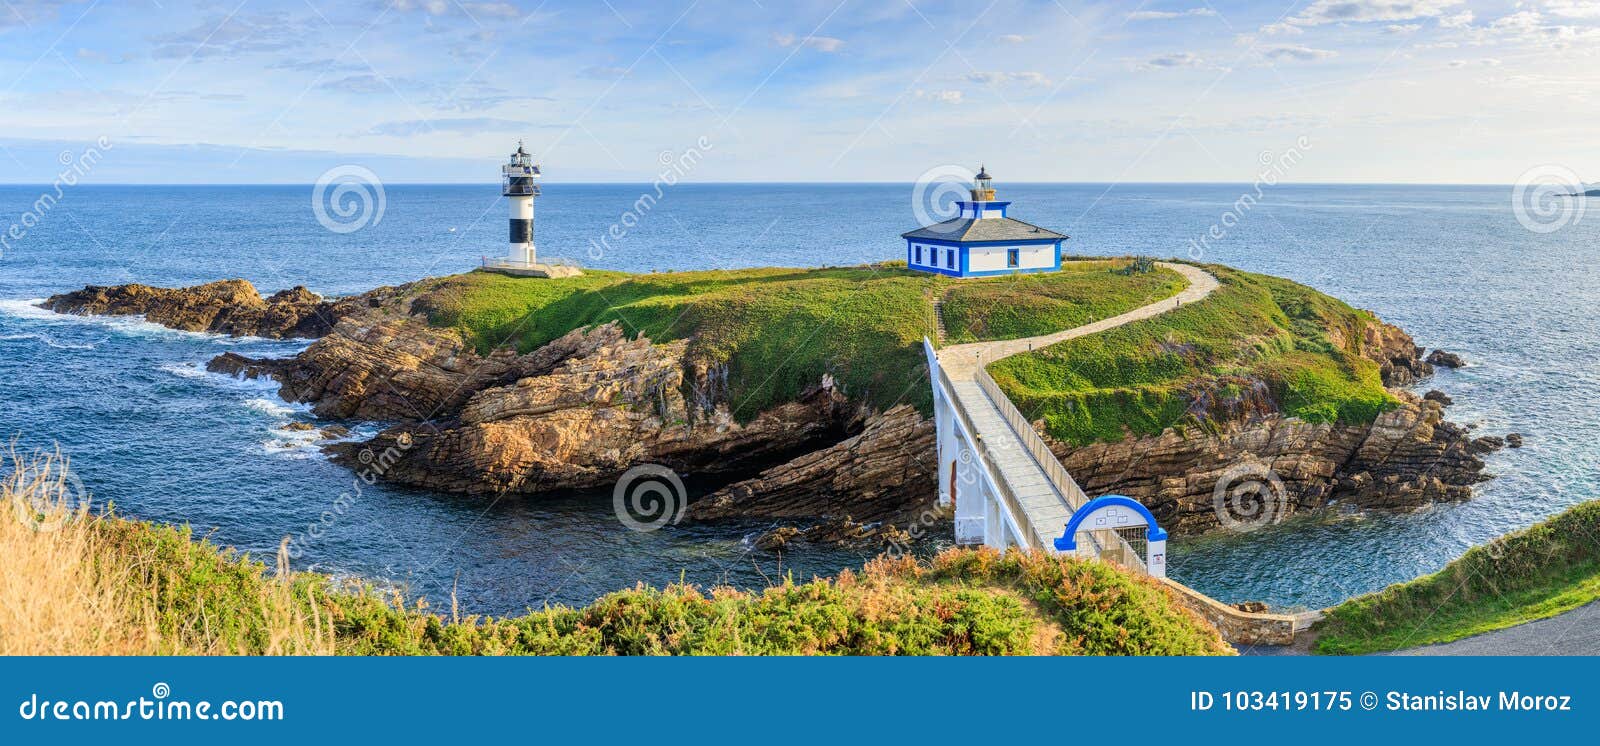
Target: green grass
[
  {"x": 1530, "y": 574},
  {"x": 778, "y": 331},
  {"x": 1029, "y": 305},
  {"x": 961, "y": 603},
  {"x": 1257, "y": 343}
]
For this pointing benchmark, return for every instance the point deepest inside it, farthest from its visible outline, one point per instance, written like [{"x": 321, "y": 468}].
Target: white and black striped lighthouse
[{"x": 517, "y": 178}]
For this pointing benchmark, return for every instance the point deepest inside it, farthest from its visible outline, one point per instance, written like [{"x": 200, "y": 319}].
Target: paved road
[
  {"x": 1575, "y": 632},
  {"x": 962, "y": 361}
]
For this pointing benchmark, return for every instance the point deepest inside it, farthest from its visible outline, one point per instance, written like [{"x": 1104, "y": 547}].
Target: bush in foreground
[{"x": 102, "y": 585}]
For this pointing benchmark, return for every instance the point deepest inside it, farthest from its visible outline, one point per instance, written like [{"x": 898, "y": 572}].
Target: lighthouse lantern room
[
  {"x": 517, "y": 184},
  {"x": 982, "y": 240}
]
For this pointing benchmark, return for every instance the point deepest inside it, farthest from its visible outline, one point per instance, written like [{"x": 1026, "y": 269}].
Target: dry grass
[
  {"x": 76, "y": 583},
  {"x": 85, "y": 584}
]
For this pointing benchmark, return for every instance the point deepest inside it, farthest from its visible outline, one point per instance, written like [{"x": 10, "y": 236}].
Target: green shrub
[{"x": 1534, "y": 573}]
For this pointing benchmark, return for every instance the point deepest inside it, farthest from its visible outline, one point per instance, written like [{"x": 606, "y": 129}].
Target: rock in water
[
  {"x": 231, "y": 307},
  {"x": 1445, "y": 359},
  {"x": 1514, "y": 440}
]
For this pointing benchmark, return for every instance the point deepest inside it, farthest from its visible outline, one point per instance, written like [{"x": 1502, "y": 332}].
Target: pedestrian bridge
[{"x": 1008, "y": 489}]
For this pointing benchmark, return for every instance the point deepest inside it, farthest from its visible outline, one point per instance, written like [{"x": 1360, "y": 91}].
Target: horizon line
[{"x": 774, "y": 183}]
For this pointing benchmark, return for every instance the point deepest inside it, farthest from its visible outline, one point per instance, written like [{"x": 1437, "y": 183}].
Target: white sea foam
[
  {"x": 138, "y": 326},
  {"x": 276, "y": 408},
  {"x": 47, "y": 340},
  {"x": 198, "y": 372}
]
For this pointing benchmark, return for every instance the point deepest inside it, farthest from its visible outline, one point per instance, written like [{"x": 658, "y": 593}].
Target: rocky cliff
[{"x": 578, "y": 412}]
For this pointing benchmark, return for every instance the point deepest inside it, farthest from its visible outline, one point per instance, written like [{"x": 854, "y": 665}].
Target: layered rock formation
[
  {"x": 581, "y": 410},
  {"x": 231, "y": 307},
  {"x": 1251, "y": 464}
]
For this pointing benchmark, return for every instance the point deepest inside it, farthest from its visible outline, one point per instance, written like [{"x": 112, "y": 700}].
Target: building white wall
[{"x": 993, "y": 258}]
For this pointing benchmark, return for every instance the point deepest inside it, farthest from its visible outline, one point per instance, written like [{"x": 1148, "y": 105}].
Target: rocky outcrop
[
  {"x": 1399, "y": 358},
  {"x": 1191, "y": 479},
  {"x": 1446, "y": 359},
  {"x": 579, "y": 413},
  {"x": 886, "y": 473},
  {"x": 231, "y": 307}
]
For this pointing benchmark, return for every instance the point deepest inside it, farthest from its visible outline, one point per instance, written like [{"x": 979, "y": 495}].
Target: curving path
[
  {"x": 966, "y": 359},
  {"x": 1042, "y": 494}
]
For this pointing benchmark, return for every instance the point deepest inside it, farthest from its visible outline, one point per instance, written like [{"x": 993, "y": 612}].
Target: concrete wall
[
  {"x": 991, "y": 258},
  {"x": 1241, "y": 627}
]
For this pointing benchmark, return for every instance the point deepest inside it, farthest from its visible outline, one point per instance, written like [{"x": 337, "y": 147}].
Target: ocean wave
[
  {"x": 276, "y": 408},
  {"x": 198, "y": 372},
  {"x": 47, "y": 340},
  {"x": 29, "y": 309}
]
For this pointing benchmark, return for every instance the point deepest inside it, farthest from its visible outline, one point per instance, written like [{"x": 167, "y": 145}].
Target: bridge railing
[
  {"x": 1037, "y": 448},
  {"x": 1107, "y": 544},
  {"x": 980, "y": 454}
]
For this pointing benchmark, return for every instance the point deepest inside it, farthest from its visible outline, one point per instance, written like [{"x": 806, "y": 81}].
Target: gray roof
[{"x": 985, "y": 230}]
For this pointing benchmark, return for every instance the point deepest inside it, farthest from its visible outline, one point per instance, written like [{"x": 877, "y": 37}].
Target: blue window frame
[
  {"x": 919, "y": 254},
  {"x": 951, "y": 259},
  {"x": 1013, "y": 257}
]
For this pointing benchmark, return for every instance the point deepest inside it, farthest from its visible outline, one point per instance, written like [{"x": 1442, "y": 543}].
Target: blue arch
[{"x": 1069, "y": 540}]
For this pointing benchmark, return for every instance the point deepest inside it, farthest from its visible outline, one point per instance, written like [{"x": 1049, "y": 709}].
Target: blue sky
[{"x": 1452, "y": 91}]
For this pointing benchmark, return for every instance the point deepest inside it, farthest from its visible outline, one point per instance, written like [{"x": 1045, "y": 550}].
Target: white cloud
[
  {"x": 1365, "y": 11},
  {"x": 1407, "y": 28},
  {"x": 1297, "y": 53},
  {"x": 1166, "y": 15},
  {"x": 1281, "y": 29},
  {"x": 1174, "y": 61},
  {"x": 942, "y": 97},
  {"x": 1027, "y": 78},
  {"x": 826, "y": 44},
  {"x": 1459, "y": 20},
  {"x": 1011, "y": 38},
  {"x": 1573, "y": 8}
]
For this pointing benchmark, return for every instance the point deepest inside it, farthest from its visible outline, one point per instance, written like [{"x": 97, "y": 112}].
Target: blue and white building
[{"x": 982, "y": 241}]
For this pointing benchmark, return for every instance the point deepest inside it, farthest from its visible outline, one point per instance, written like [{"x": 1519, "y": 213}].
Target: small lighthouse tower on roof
[
  {"x": 982, "y": 240},
  {"x": 517, "y": 185}
]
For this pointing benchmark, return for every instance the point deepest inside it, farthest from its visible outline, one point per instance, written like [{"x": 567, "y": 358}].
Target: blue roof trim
[
  {"x": 1069, "y": 540},
  {"x": 1018, "y": 242}
]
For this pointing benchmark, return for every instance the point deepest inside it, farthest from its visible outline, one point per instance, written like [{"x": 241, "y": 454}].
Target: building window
[
  {"x": 951, "y": 259},
  {"x": 919, "y": 254},
  {"x": 1013, "y": 257}
]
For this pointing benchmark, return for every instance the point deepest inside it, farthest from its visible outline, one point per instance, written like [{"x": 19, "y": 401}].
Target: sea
[{"x": 1473, "y": 269}]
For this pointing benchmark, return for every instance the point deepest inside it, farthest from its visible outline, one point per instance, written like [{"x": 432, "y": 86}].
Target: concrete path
[
  {"x": 1575, "y": 632},
  {"x": 1045, "y": 504},
  {"x": 963, "y": 360}
]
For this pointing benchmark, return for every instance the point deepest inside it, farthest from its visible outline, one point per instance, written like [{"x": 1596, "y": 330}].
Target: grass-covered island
[
  {"x": 1535, "y": 573},
  {"x": 81, "y": 583},
  {"x": 779, "y": 330}
]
